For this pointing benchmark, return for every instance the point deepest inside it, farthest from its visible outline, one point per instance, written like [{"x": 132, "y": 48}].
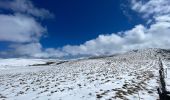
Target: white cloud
[
  {"x": 35, "y": 50},
  {"x": 151, "y": 7},
  {"x": 163, "y": 18},
  {"x": 157, "y": 36},
  {"x": 22, "y": 29},
  {"x": 21, "y": 25},
  {"x": 25, "y": 7},
  {"x": 51, "y": 52},
  {"x": 30, "y": 49},
  {"x": 19, "y": 28}
]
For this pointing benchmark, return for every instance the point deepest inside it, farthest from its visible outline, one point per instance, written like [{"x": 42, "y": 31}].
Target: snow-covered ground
[{"x": 129, "y": 76}]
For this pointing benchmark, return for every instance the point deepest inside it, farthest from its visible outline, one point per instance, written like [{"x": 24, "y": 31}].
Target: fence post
[{"x": 163, "y": 93}]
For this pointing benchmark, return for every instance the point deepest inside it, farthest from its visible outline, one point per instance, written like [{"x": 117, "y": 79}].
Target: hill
[{"x": 131, "y": 75}]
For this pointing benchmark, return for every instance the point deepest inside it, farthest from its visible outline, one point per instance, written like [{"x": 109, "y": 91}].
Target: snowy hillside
[
  {"x": 20, "y": 62},
  {"x": 129, "y": 76}
]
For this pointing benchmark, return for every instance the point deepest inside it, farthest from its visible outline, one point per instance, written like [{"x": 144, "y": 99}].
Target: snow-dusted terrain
[{"x": 129, "y": 76}]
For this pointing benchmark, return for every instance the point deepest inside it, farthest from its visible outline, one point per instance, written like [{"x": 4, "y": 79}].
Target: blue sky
[
  {"x": 62, "y": 28},
  {"x": 77, "y": 21}
]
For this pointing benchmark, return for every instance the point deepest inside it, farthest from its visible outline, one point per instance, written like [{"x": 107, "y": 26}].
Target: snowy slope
[
  {"x": 132, "y": 75},
  {"x": 21, "y": 62}
]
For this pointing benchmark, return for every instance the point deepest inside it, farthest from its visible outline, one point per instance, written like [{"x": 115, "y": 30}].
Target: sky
[{"x": 76, "y": 28}]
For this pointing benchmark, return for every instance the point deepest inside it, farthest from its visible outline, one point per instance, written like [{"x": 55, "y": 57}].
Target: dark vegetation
[
  {"x": 49, "y": 63},
  {"x": 61, "y": 62},
  {"x": 97, "y": 57},
  {"x": 102, "y": 56},
  {"x": 163, "y": 93}
]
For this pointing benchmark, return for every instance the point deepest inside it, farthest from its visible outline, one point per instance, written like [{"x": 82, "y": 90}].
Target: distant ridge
[{"x": 150, "y": 53}]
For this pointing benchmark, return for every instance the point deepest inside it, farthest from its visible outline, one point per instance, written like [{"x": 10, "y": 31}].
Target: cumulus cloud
[
  {"x": 156, "y": 36},
  {"x": 21, "y": 24},
  {"x": 151, "y": 7},
  {"x": 25, "y": 7},
  {"x": 30, "y": 49},
  {"x": 36, "y": 50},
  {"x": 19, "y": 28}
]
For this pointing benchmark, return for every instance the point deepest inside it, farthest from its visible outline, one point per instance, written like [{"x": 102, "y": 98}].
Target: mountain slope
[{"x": 131, "y": 75}]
